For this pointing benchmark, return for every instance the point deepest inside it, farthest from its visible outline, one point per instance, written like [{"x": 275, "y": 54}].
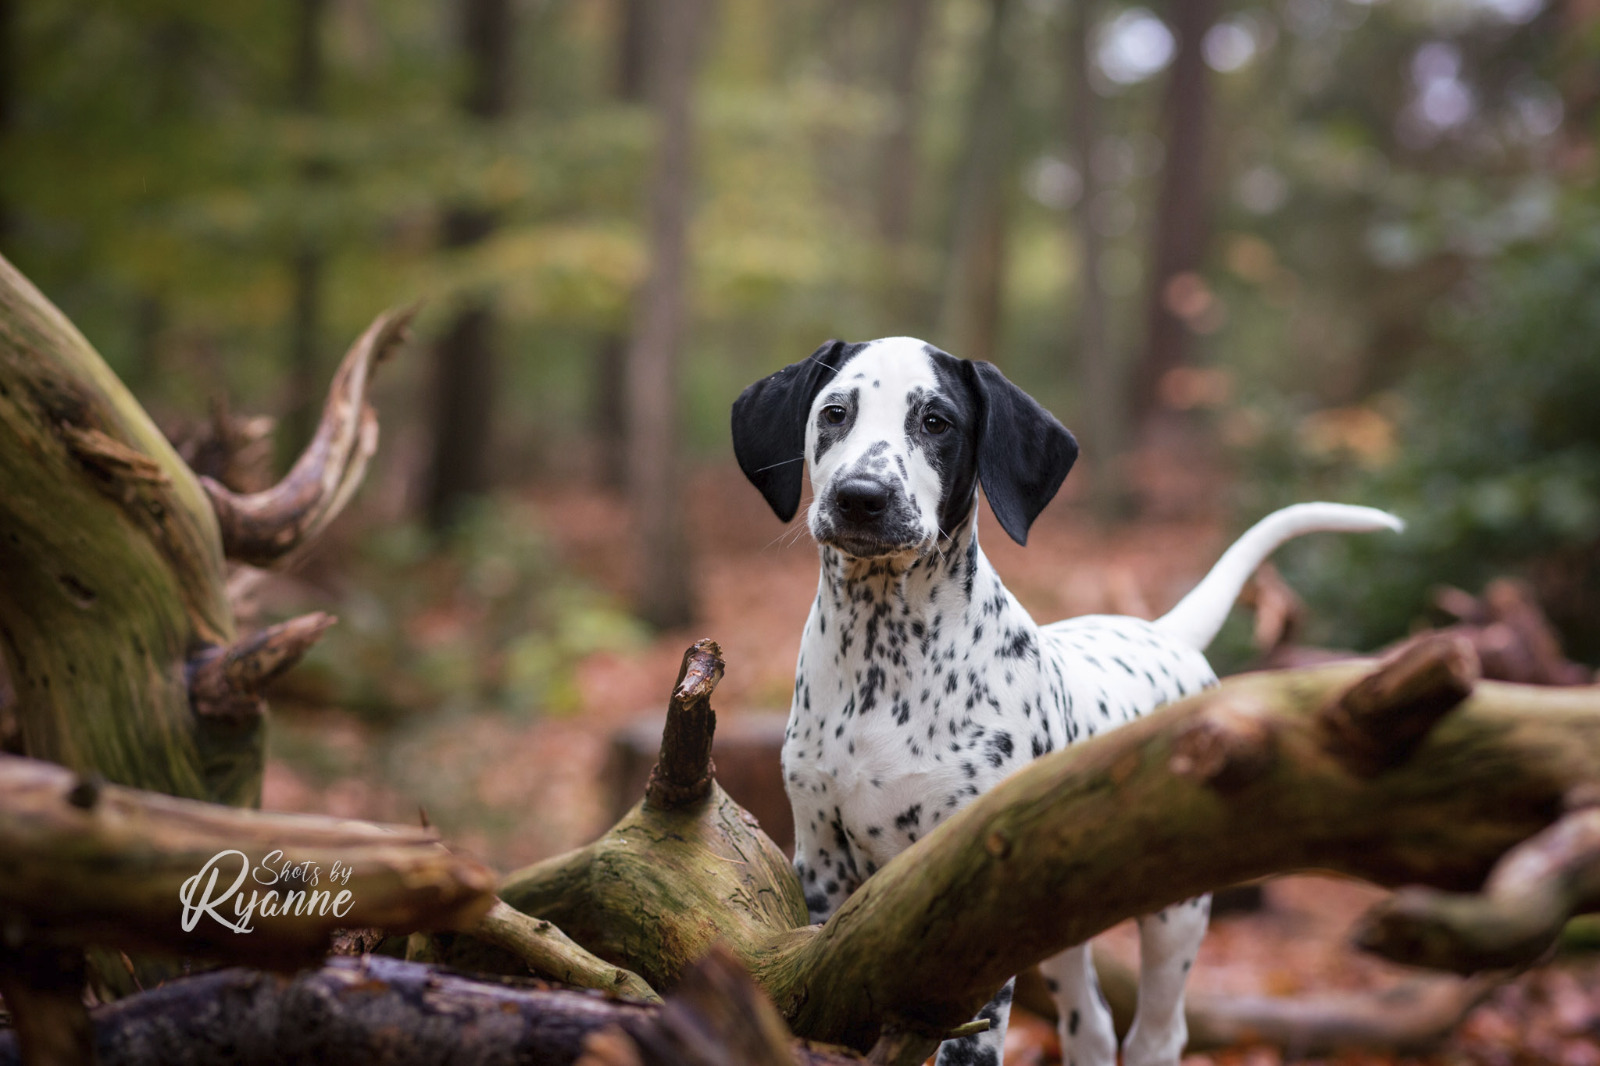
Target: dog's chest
[
  {"x": 905, "y": 711},
  {"x": 907, "y": 708}
]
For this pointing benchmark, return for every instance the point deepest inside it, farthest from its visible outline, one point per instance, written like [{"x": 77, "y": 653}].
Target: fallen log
[
  {"x": 377, "y": 1011},
  {"x": 87, "y": 863}
]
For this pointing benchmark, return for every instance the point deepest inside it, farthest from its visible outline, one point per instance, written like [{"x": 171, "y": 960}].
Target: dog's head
[{"x": 898, "y": 435}]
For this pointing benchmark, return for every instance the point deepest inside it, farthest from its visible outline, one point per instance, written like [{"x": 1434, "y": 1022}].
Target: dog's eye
[
  {"x": 834, "y": 414},
  {"x": 935, "y": 425}
]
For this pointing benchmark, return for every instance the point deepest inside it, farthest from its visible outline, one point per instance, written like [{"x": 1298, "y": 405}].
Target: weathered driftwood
[
  {"x": 114, "y": 601},
  {"x": 377, "y": 1011},
  {"x": 90, "y": 863},
  {"x": 1392, "y": 773}
]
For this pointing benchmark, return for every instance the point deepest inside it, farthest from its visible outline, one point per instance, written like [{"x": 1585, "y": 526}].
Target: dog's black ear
[
  {"x": 769, "y": 425},
  {"x": 1023, "y": 452}
]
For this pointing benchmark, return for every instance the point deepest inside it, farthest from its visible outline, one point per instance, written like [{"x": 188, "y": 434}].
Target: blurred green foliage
[
  {"x": 1393, "y": 311},
  {"x": 485, "y": 620},
  {"x": 1496, "y": 456}
]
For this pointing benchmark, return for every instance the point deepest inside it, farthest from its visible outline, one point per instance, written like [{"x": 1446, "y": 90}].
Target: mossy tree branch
[{"x": 1401, "y": 773}]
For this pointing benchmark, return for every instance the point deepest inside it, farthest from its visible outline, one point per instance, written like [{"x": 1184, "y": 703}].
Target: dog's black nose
[{"x": 861, "y": 497}]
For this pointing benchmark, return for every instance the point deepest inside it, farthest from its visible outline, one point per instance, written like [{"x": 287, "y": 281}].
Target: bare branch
[{"x": 262, "y": 528}]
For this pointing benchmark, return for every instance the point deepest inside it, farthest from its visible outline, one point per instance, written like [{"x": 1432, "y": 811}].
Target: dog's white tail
[{"x": 1198, "y": 616}]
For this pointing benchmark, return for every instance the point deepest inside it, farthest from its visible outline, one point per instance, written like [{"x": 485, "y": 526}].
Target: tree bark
[
  {"x": 664, "y": 596},
  {"x": 114, "y": 595},
  {"x": 1180, "y": 229},
  {"x": 114, "y": 569},
  {"x": 975, "y": 274},
  {"x": 1517, "y": 916}
]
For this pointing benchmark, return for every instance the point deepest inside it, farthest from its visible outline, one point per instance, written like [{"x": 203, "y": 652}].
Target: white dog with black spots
[{"x": 922, "y": 681}]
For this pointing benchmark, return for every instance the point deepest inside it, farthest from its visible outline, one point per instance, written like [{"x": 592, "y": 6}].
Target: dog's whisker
[{"x": 780, "y": 462}]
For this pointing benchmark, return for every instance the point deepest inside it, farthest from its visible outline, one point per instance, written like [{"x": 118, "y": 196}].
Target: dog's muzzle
[{"x": 865, "y": 517}]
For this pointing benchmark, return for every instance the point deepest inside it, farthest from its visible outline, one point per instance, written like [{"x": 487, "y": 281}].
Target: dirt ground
[{"x": 542, "y": 781}]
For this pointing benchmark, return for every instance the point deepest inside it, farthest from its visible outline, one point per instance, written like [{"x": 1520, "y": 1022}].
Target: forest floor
[{"x": 512, "y": 789}]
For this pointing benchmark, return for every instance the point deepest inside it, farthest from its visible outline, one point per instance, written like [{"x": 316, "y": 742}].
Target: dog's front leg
[
  {"x": 1168, "y": 943},
  {"x": 826, "y": 877},
  {"x": 986, "y": 1048},
  {"x": 1087, "y": 1035}
]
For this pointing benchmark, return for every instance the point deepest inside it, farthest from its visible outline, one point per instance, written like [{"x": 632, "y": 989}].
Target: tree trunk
[
  {"x": 463, "y": 357},
  {"x": 1106, "y": 401},
  {"x": 463, "y": 399},
  {"x": 305, "y": 316},
  {"x": 113, "y": 608},
  {"x": 1409, "y": 771},
  {"x": 609, "y": 403},
  {"x": 897, "y": 173},
  {"x": 664, "y": 597},
  {"x": 1180, "y": 230},
  {"x": 974, "y": 277},
  {"x": 114, "y": 571},
  {"x": 897, "y": 170}
]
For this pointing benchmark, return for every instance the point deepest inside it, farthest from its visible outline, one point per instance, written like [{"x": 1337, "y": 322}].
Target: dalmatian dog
[{"x": 922, "y": 681}]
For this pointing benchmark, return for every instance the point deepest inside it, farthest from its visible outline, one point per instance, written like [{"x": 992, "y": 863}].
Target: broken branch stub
[
  {"x": 683, "y": 774},
  {"x": 227, "y": 682},
  {"x": 1379, "y": 721},
  {"x": 262, "y": 528}
]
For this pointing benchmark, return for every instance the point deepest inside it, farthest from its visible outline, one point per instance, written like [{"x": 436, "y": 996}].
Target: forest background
[{"x": 1253, "y": 252}]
